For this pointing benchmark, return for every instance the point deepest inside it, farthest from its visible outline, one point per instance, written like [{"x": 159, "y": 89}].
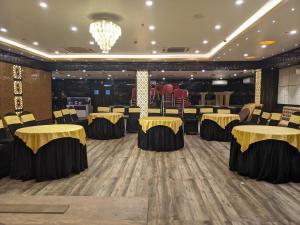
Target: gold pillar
[
  {"x": 202, "y": 99},
  {"x": 258, "y": 87},
  {"x": 142, "y": 87}
]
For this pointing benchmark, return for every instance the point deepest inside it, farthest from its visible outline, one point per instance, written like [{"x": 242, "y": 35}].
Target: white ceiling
[
  {"x": 178, "y": 24},
  {"x": 219, "y": 74}
]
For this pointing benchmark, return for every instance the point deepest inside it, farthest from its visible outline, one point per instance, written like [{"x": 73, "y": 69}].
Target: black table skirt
[
  {"x": 191, "y": 126},
  {"x": 160, "y": 138},
  {"x": 57, "y": 159},
  {"x": 271, "y": 160},
  {"x": 5, "y": 150},
  {"x": 211, "y": 131},
  {"x": 103, "y": 129}
]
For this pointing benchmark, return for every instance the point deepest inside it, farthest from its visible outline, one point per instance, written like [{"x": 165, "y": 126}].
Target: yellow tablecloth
[
  {"x": 112, "y": 117},
  {"x": 37, "y": 136},
  {"x": 221, "y": 119},
  {"x": 249, "y": 134},
  {"x": 171, "y": 122}
]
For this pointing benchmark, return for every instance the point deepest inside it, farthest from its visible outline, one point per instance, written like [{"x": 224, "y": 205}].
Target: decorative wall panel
[
  {"x": 18, "y": 90},
  {"x": 258, "y": 87},
  {"x": 142, "y": 84}
]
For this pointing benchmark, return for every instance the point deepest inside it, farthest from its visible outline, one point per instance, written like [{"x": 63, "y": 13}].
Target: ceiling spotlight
[
  {"x": 203, "y": 71},
  {"x": 43, "y": 5},
  {"x": 80, "y": 78},
  {"x": 293, "y": 9},
  {"x": 84, "y": 71},
  {"x": 151, "y": 27},
  {"x": 164, "y": 78},
  {"x": 292, "y": 32},
  {"x": 239, "y": 2},
  {"x": 154, "y": 52},
  {"x": 246, "y": 55},
  {"x": 192, "y": 75},
  {"x": 237, "y": 45},
  {"x": 109, "y": 75},
  {"x": 35, "y": 43},
  {"x": 56, "y": 52},
  {"x": 68, "y": 75},
  {"x": 73, "y": 28},
  {"x": 149, "y": 3},
  {"x": 264, "y": 46},
  {"x": 245, "y": 71},
  {"x": 273, "y": 21},
  {"x": 162, "y": 71},
  {"x": 192, "y": 78},
  {"x": 153, "y": 42},
  {"x": 4, "y": 30},
  {"x": 235, "y": 75},
  {"x": 217, "y": 27},
  {"x": 123, "y": 71},
  {"x": 205, "y": 42},
  {"x": 92, "y": 43},
  {"x": 221, "y": 78},
  {"x": 197, "y": 51},
  {"x": 258, "y": 31}
]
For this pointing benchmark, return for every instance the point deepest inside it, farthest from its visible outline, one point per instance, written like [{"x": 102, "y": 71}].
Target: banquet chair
[
  {"x": 103, "y": 109},
  {"x": 58, "y": 117},
  {"x": 190, "y": 119},
  {"x": 204, "y": 110},
  {"x": 132, "y": 123},
  {"x": 223, "y": 111},
  {"x": 255, "y": 116},
  {"x": 172, "y": 112},
  {"x": 13, "y": 122},
  {"x": 5, "y": 145},
  {"x": 154, "y": 111},
  {"x": 275, "y": 119},
  {"x": 67, "y": 115},
  {"x": 74, "y": 114},
  {"x": 28, "y": 119},
  {"x": 244, "y": 114},
  {"x": 264, "y": 119},
  {"x": 294, "y": 121}
]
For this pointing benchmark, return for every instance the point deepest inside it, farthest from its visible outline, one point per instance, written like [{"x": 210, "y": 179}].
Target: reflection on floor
[{"x": 188, "y": 187}]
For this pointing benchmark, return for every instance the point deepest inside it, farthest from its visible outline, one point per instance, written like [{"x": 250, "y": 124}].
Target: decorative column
[
  {"x": 218, "y": 98},
  {"x": 258, "y": 87},
  {"x": 227, "y": 95},
  {"x": 202, "y": 100},
  {"x": 142, "y": 87},
  {"x": 18, "y": 88}
]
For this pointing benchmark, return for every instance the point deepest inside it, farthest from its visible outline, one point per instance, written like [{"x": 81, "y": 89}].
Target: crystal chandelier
[{"x": 105, "y": 33}]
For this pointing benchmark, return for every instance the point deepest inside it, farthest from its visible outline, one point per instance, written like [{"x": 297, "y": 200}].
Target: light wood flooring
[{"x": 191, "y": 186}]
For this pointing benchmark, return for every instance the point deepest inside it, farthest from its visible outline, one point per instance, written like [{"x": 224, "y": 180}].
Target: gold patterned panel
[
  {"x": 258, "y": 87},
  {"x": 142, "y": 85},
  {"x": 17, "y": 72},
  {"x": 18, "y": 88},
  {"x": 18, "y": 103}
]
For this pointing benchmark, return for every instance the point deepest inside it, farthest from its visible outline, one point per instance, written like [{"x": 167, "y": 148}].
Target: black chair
[
  {"x": 275, "y": 119},
  {"x": 172, "y": 112},
  {"x": 67, "y": 116},
  {"x": 264, "y": 119},
  {"x": 132, "y": 124},
  {"x": 58, "y": 117},
  {"x": 6, "y": 143},
  {"x": 154, "y": 111},
  {"x": 255, "y": 116},
  {"x": 13, "y": 122},
  {"x": 28, "y": 119},
  {"x": 294, "y": 121},
  {"x": 75, "y": 119},
  {"x": 190, "y": 119}
]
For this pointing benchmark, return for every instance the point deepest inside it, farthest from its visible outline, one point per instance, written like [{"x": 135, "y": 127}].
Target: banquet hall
[{"x": 148, "y": 112}]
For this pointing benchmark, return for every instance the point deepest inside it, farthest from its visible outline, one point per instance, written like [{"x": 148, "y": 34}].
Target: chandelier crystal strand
[{"x": 106, "y": 34}]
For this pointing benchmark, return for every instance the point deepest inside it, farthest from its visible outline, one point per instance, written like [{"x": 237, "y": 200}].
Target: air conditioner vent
[
  {"x": 176, "y": 50},
  {"x": 79, "y": 50}
]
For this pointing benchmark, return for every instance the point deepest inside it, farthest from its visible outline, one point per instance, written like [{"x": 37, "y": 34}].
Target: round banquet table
[
  {"x": 160, "y": 133},
  {"x": 105, "y": 126},
  {"x": 217, "y": 126},
  {"x": 266, "y": 153},
  {"x": 48, "y": 152}
]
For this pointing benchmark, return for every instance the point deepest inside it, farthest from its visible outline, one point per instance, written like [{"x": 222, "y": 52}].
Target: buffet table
[
  {"x": 105, "y": 126},
  {"x": 266, "y": 153},
  {"x": 48, "y": 152},
  {"x": 217, "y": 126},
  {"x": 160, "y": 133}
]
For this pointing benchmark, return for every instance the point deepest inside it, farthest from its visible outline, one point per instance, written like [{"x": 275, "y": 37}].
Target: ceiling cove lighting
[
  {"x": 106, "y": 33},
  {"x": 271, "y": 4}
]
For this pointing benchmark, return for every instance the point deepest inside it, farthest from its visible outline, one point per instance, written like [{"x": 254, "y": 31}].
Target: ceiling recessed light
[
  {"x": 239, "y": 2},
  {"x": 244, "y": 71},
  {"x": 293, "y": 9},
  {"x": 192, "y": 78},
  {"x": 92, "y": 43},
  {"x": 73, "y": 28},
  {"x": 68, "y": 75},
  {"x": 123, "y": 71},
  {"x": 56, "y": 52},
  {"x": 154, "y": 52},
  {"x": 237, "y": 45},
  {"x": 4, "y": 30},
  {"x": 149, "y": 3},
  {"x": 246, "y": 38},
  {"x": 197, "y": 51},
  {"x": 273, "y": 21},
  {"x": 43, "y": 5},
  {"x": 162, "y": 71},
  {"x": 164, "y": 78},
  {"x": 192, "y": 75},
  {"x": 246, "y": 55},
  {"x": 264, "y": 46},
  {"x": 153, "y": 42},
  {"x": 258, "y": 31},
  {"x": 292, "y": 32},
  {"x": 35, "y": 43},
  {"x": 84, "y": 71},
  {"x": 151, "y": 27},
  {"x": 217, "y": 27},
  {"x": 203, "y": 71},
  {"x": 205, "y": 41},
  {"x": 235, "y": 75}
]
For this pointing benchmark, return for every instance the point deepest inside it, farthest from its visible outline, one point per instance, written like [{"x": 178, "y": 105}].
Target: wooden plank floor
[{"x": 188, "y": 187}]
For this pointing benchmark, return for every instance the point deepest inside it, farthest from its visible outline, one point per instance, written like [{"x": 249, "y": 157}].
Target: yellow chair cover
[
  {"x": 1, "y": 124},
  {"x": 221, "y": 119},
  {"x": 172, "y": 122},
  {"x": 276, "y": 116},
  {"x": 9, "y": 120},
  {"x": 27, "y": 118},
  {"x": 266, "y": 115},
  {"x": 103, "y": 109},
  {"x": 118, "y": 110},
  {"x": 57, "y": 114},
  {"x": 224, "y": 111},
  {"x": 112, "y": 117},
  {"x": 295, "y": 119},
  {"x": 172, "y": 111},
  {"x": 66, "y": 111},
  {"x": 73, "y": 112},
  {"x": 37, "y": 136},
  {"x": 134, "y": 110},
  {"x": 257, "y": 112},
  {"x": 247, "y": 135},
  {"x": 153, "y": 110},
  {"x": 190, "y": 110},
  {"x": 206, "y": 110}
]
